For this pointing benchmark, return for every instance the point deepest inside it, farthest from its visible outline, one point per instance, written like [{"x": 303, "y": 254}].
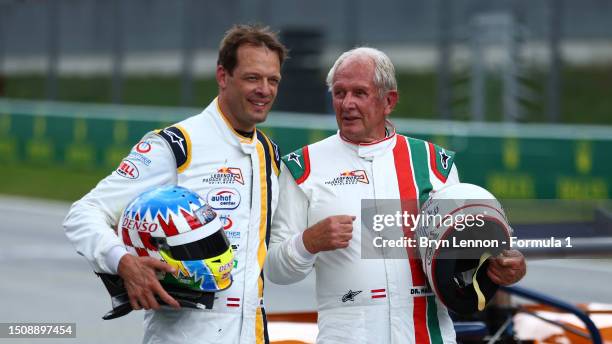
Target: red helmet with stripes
[{"x": 175, "y": 225}]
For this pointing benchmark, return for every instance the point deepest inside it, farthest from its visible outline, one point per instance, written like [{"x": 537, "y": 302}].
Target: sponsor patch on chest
[
  {"x": 228, "y": 226},
  {"x": 225, "y": 175},
  {"x": 349, "y": 178},
  {"x": 223, "y": 198}
]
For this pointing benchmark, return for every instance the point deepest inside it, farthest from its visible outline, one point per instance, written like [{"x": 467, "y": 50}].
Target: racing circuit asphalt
[{"x": 44, "y": 280}]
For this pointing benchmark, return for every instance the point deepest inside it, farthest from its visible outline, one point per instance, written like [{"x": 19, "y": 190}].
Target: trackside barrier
[{"x": 511, "y": 160}]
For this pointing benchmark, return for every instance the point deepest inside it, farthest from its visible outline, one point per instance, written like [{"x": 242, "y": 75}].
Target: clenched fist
[
  {"x": 329, "y": 234},
  {"x": 507, "y": 268}
]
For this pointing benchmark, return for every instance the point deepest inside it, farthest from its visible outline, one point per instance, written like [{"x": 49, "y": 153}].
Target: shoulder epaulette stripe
[
  {"x": 420, "y": 162},
  {"x": 441, "y": 161},
  {"x": 298, "y": 164},
  {"x": 272, "y": 150},
  {"x": 306, "y": 168},
  {"x": 179, "y": 141}
]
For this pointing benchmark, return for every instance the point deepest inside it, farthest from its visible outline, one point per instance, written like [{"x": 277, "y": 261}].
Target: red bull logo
[
  {"x": 225, "y": 175},
  {"x": 349, "y": 178}
]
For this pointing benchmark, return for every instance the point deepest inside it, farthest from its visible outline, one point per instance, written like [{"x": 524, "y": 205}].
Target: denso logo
[
  {"x": 224, "y": 198},
  {"x": 225, "y": 267},
  {"x": 141, "y": 226}
]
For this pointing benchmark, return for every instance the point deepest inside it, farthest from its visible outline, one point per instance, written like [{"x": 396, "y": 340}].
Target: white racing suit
[
  {"x": 202, "y": 153},
  {"x": 360, "y": 300}
]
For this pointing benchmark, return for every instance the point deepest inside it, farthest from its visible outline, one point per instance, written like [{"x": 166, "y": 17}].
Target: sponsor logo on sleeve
[
  {"x": 143, "y": 147},
  {"x": 444, "y": 159},
  {"x": 175, "y": 139},
  {"x": 295, "y": 158},
  {"x": 128, "y": 170},
  {"x": 135, "y": 156},
  {"x": 223, "y": 198}
]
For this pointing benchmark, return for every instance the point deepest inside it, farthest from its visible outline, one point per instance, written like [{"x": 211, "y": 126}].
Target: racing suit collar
[
  {"x": 371, "y": 150},
  {"x": 247, "y": 144}
]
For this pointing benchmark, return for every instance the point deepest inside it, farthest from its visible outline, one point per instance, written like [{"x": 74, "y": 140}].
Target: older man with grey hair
[{"x": 362, "y": 300}]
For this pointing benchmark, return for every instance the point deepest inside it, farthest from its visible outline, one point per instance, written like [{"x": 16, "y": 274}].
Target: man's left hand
[{"x": 507, "y": 268}]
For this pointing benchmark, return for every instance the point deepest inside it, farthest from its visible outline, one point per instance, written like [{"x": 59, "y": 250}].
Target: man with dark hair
[{"x": 218, "y": 151}]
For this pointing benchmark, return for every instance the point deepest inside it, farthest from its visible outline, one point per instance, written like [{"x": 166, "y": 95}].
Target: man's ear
[
  {"x": 390, "y": 100},
  {"x": 221, "y": 75}
]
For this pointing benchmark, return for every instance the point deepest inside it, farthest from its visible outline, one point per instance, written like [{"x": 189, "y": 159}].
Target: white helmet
[{"x": 463, "y": 225}]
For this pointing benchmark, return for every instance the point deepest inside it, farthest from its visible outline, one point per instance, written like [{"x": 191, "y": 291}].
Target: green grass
[
  {"x": 417, "y": 95},
  {"x": 137, "y": 90},
  {"x": 584, "y": 94},
  {"x": 50, "y": 182}
]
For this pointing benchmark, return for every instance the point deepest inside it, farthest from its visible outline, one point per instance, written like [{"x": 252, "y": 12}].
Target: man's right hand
[
  {"x": 329, "y": 234},
  {"x": 140, "y": 280}
]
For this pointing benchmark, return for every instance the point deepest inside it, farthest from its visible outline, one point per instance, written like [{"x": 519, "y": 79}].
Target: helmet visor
[
  {"x": 204, "y": 264},
  {"x": 205, "y": 248}
]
